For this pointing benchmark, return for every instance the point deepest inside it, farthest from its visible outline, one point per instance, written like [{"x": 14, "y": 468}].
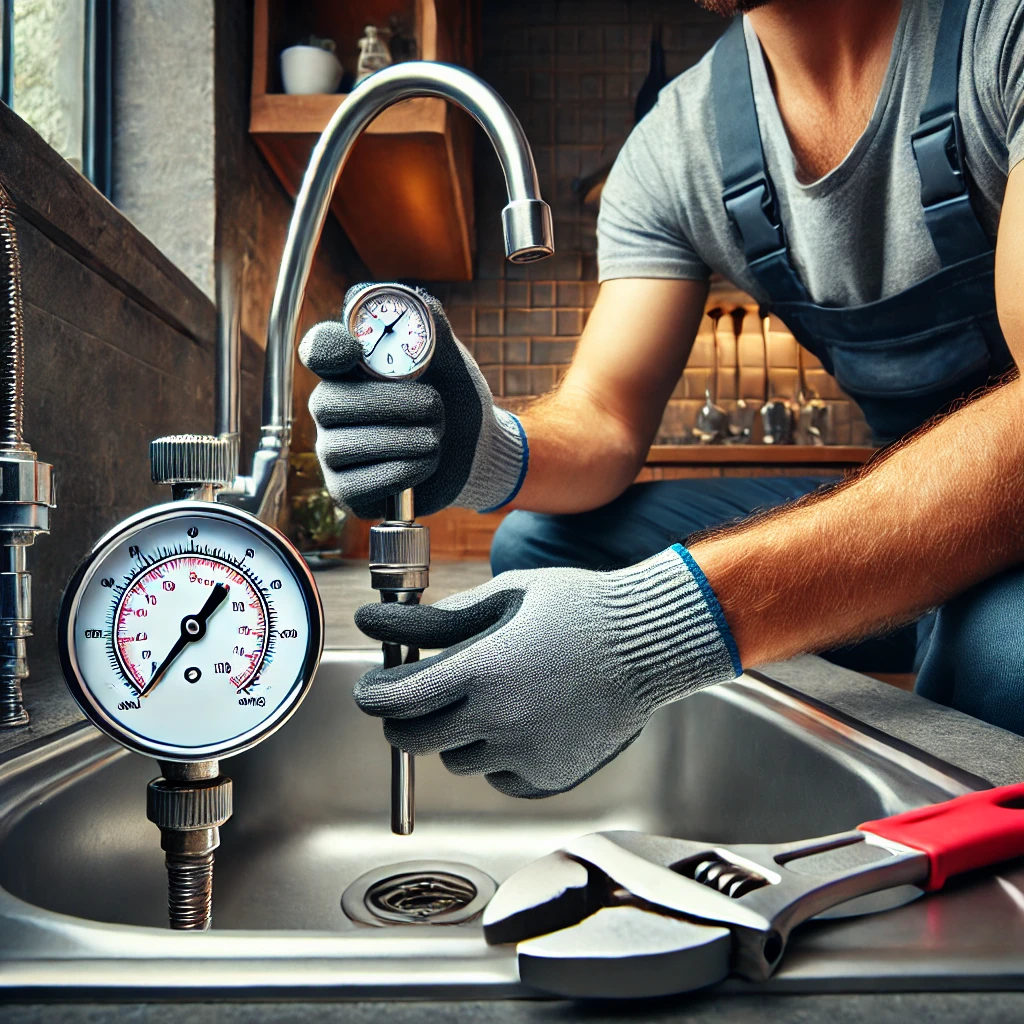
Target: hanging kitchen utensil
[
  {"x": 588, "y": 187},
  {"x": 655, "y": 80},
  {"x": 812, "y": 415},
  {"x": 776, "y": 414},
  {"x": 712, "y": 425},
  {"x": 741, "y": 427}
]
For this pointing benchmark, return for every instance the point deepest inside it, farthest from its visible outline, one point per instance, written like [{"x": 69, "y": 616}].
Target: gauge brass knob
[{"x": 194, "y": 460}]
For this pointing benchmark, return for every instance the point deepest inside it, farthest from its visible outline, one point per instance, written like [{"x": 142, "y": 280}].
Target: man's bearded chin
[{"x": 730, "y": 8}]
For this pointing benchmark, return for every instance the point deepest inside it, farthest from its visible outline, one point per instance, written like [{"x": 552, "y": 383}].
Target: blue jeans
[{"x": 969, "y": 655}]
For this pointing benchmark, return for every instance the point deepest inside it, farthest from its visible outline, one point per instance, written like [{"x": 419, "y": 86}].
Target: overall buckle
[
  {"x": 939, "y": 152},
  {"x": 752, "y": 208}
]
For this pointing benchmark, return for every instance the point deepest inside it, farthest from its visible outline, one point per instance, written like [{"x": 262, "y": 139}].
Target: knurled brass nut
[
  {"x": 205, "y": 803},
  {"x": 399, "y": 546}
]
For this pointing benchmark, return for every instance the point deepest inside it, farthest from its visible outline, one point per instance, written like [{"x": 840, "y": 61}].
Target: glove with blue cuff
[
  {"x": 548, "y": 673},
  {"x": 440, "y": 433}
]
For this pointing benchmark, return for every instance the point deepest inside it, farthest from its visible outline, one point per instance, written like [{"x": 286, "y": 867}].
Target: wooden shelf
[
  {"x": 758, "y": 455},
  {"x": 405, "y": 197}
]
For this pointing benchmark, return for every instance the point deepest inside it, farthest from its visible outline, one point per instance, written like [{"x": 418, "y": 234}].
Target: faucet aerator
[{"x": 528, "y": 232}]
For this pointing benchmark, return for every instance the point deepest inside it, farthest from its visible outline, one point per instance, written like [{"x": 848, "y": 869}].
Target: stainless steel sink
[{"x": 83, "y": 884}]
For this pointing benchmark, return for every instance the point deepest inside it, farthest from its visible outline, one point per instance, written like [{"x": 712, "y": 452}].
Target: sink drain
[{"x": 418, "y": 892}]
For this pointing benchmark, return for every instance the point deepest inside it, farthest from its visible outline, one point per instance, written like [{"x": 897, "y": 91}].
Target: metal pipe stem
[
  {"x": 400, "y": 508},
  {"x": 229, "y": 349},
  {"x": 403, "y": 764},
  {"x": 190, "y": 891},
  {"x": 188, "y": 804}
]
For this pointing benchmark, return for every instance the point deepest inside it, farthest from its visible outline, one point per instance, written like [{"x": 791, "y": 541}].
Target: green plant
[{"x": 317, "y": 520}]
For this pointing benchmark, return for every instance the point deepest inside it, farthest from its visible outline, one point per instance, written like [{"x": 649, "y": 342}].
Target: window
[{"x": 56, "y": 75}]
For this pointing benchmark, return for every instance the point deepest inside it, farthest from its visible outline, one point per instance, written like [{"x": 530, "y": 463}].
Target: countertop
[
  {"x": 894, "y": 1008},
  {"x": 954, "y": 738}
]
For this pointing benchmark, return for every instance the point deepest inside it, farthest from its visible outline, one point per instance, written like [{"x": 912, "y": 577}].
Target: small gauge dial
[
  {"x": 191, "y": 631},
  {"x": 395, "y": 328}
]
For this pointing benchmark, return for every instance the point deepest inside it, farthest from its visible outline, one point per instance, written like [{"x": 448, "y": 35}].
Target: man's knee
[
  {"x": 516, "y": 543},
  {"x": 975, "y": 659},
  {"x": 532, "y": 540}
]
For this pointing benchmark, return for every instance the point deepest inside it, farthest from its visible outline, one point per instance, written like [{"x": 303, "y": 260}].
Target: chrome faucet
[{"x": 526, "y": 221}]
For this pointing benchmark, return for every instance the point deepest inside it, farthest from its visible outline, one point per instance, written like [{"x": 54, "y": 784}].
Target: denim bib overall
[{"x": 902, "y": 359}]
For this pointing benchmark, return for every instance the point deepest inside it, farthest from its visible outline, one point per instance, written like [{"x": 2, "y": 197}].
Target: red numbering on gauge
[{"x": 172, "y": 593}]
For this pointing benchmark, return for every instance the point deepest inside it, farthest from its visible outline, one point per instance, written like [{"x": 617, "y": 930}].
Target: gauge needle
[
  {"x": 388, "y": 328},
  {"x": 391, "y": 326},
  {"x": 193, "y": 629}
]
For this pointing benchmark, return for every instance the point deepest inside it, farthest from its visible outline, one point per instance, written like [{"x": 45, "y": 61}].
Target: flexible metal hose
[
  {"x": 12, "y": 333},
  {"x": 16, "y": 528}
]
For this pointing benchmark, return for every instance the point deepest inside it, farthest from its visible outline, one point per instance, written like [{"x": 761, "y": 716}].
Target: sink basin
[{"x": 82, "y": 882}]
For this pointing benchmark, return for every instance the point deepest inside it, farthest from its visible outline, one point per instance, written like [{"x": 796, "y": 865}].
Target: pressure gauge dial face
[
  {"x": 395, "y": 328},
  {"x": 191, "y": 631}
]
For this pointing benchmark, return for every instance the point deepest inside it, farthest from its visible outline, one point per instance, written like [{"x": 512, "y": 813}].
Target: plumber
[{"x": 855, "y": 166}]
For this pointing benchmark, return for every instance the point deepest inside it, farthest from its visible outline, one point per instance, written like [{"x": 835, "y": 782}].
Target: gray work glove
[
  {"x": 440, "y": 433},
  {"x": 551, "y": 672}
]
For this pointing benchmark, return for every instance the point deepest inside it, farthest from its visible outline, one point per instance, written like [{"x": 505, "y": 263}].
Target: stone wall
[
  {"x": 253, "y": 211},
  {"x": 163, "y": 152},
  {"x": 188, "y": 175}
]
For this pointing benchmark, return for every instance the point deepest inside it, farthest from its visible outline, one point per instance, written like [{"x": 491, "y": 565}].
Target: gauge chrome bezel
[
  {"x": 75, "y": 589},
  {"x": 414, "y": 297}
]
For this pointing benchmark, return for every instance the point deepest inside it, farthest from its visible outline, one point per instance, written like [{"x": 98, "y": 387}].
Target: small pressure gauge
[
  {"x": 395, "y": 328},
  {"x": 190, "y": 632}
]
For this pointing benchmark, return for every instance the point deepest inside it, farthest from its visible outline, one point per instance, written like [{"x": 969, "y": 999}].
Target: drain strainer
[{"x": 418, "y": 892}]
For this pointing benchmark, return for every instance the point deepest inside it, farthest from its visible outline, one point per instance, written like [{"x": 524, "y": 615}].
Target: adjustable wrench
[{"x": 626, "y": 914}]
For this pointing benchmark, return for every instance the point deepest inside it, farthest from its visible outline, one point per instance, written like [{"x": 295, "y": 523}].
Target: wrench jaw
[
  {"x": 624, "y": 914},
  {"x": 547, "y": 895},
  {"x": 666, "y": 955}
]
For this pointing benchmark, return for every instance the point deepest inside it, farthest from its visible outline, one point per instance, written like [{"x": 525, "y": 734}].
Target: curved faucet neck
[{"x": 526, "y": 222}]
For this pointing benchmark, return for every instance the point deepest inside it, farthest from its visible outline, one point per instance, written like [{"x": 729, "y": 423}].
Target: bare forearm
[
  {"x": 581, "y": 456},
  {"x": 929, "y": 519},
  {"x": 589, "y": 438}
]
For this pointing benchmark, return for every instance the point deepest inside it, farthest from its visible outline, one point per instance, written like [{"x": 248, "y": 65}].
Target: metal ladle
[
  {"x": 712, "y": 424},
  {"x": 742, "y": 429},
  {"x": 776, "y": 414},
  {"x": 812, "y": 415}
]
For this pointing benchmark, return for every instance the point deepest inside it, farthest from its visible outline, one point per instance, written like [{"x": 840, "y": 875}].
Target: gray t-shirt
[{"x": 856, "y": 235}]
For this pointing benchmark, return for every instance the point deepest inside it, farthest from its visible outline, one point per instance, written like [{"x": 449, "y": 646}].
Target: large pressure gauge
[
  {"x": 395, "y": 328},
  {"x": 190, "y": 632}
]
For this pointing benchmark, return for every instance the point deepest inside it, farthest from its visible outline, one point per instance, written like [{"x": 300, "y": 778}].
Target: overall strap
[
  {"x": 748, "y": 194},
  {"x": 939, "y": 150}
]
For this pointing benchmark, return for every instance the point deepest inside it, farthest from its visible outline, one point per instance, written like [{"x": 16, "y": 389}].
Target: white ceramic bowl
[{"x": 309, "y": 69}]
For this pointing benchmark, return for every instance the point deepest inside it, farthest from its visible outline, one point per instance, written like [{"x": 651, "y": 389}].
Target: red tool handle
[{"x": 973, "y": 831}]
